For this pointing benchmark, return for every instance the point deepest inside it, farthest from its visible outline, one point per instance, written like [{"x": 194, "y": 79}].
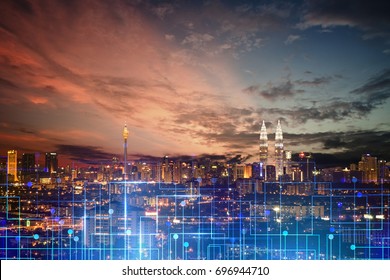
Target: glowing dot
[
  {"x": 331, "y": 236},
  {"x": 36, "y": 236},
  {"x": 61, "y": 222},
  {"x": 128, "y": 232},
  {"x": 76, "y": 238},
  {"x": 183, "y": 203},
  {"x": 59, "y": 180},
  {"x": 52, "y": 211},
  {"x": 339, "y": 204},
  {"x": 285, "y": 233},
  {"x": 186, "y": 244},
  {"x": 267, "y": 212},
  {"x": 168, "y": 224},
  {"x": 353, "y": 247},
  {"x": 70, "y": 231},
  {"x": 175, "y": 236},
  {"x": 29, "y": 184},
  {"x": 354, "y": 180},
  {"x": 17, "y": 238},
  {"x": 110, "y": 211},
  {"x": 332, "y": 229},
  {"x": 359, "y": 194}
]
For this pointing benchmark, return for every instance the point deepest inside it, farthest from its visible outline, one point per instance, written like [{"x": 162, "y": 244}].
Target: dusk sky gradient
[{"x": 194, "y": 77}]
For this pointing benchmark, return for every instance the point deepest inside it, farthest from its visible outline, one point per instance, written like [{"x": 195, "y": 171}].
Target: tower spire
[
  {"x": 125, "y": 135},
  {"x": 279, "y": 150},
  {"x": 263, "y": 149}
]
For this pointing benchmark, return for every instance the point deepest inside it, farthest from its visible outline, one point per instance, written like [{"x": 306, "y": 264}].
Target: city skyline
[
  {"x": 194, "y": 78},
  {"x": 270, "y": 152}
]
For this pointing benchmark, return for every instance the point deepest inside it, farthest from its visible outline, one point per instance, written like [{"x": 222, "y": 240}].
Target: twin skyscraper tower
[
  {"x": 267, "y": 158},
  {"x": 271, "y": 164}
]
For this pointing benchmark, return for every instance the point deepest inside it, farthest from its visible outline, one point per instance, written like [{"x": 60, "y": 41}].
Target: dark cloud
[
  {"x": 26, "y": 130},
  {"x": 376, "y": 90},
  {"x": 238, "y": 159},
  {"x": 314, "y": 82},
  {"x": 336, "y": 111},
  {"x": 366, "y": 98},
  {"x": 24, "y": 6},
  {"x": 350, "y": 144},
  {"x": 334, "y": 143},
  {"x": 145, "y": 158},
  {"x": 231, "y": 140},
  {"x": 85, "y": 154},
  {"x": 7, "y": 83},
  {"x": 370, "y": 16},
  {"x": 274, "y": 92}
]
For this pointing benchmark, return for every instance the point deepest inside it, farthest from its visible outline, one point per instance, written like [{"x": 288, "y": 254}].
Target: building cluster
[
  {"x": 368, "y": 170},
  {"x": 27, "y": 168},
  {"x": 274, "y": 164}
]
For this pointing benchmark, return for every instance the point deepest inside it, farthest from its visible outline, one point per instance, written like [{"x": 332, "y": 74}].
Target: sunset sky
[{"x": 194, "y": 77}]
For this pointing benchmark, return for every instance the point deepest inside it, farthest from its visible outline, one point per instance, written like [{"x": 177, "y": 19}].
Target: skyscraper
[
  {"x": 279, "y": 150},
  {"x": 28, "y": 165},
  {"x": 382, "y": 170},
  {"x": 12, "y": 165},
  {"x": 125, "y": 136},
  {"x": 51, "y": 163},
  {"x": 263, "y": 150},
  {"x": 369, "y": 166}
]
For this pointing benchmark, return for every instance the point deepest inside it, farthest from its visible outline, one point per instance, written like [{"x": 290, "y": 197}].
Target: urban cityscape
[
  {"x": 194, "y": 130},
  {"x": 278, "y": 207}
]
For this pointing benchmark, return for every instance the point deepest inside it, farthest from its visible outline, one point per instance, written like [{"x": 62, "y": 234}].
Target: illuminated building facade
[
  {"x": 12, "y": 165},
  {"x": 263, "y": 150},
  {"x": 279, "y": 153},
  {"x": 369, "y": 166},
  {"x": 51, "y": 163}
]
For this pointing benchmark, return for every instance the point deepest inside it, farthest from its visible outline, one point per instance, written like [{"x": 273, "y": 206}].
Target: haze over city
[{"x": 194, "y": 78}]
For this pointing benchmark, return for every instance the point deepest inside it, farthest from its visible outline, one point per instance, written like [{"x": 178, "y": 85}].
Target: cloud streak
[
  {"x": 369, "y": 16},
  {"x": 273, "y": 91}
]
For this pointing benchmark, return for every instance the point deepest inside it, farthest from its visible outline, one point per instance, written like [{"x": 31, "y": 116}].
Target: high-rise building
[
  {"x": 271, "y": 173},
  {"x": 125, "y": 136},
  {"x": 369, "y": 166},
  {"x": 382, "y": 170},
  {"x": 238, "y": 171},
  {"x": 263, "y": 150},
  {"x": 12, "y": 165},
  {"x": 248, "y": 171},
  {"x": 166, "y": 170},
  {"x": 288, "y": 156},
  {"x": 279, "y": 150},
  {"x": 28, "y": 165},
  {"x": 307, "y": 166},
  {"x": 51, "y": 163}
]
